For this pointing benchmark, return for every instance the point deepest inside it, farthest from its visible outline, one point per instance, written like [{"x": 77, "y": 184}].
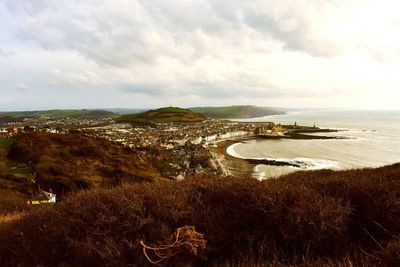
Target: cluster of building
[
  {"x": 9, "y": 131},
  {"x": 178, "y": 151}
]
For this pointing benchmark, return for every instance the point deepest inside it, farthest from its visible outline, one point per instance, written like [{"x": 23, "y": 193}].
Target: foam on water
[
  {"x": 303, "y": 162},
  {"x": 231, "y": 151},
  {"x": 372, "y": 140}
]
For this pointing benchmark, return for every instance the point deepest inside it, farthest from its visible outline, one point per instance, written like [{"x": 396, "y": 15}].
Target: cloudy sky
[{"x": 151, "y": 53}]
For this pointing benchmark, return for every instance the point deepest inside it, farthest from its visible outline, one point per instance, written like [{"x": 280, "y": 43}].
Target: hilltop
[
  {"x": 163, "y": 115},
  {"x": 236, "y": 112},
  {"x": 66, "y": 163},
  {"x": 317, "y": 218}
]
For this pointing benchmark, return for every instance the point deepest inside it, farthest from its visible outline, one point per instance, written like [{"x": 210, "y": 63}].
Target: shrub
[
  {"x": 311, "y": 218},
  {"x": 71, "y": 162},
  {"x": 11, "y": 201}
]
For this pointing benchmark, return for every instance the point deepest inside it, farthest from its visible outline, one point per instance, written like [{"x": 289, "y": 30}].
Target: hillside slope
[
  {"x": 69, "y": 163},
  {"x": 236, "y": 112},
  {"x": 57, "y": 113},
  {"x": 163, "y": 115},
  {"x": 317, "y": 218}
]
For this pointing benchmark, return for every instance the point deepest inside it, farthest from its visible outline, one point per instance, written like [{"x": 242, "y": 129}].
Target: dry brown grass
[
  {"x": 11, "y": 201},
  {"x": 346, "y": 218},
  {"x": 6, "y": 218},
  {"x": 71, "y": 162},
  {"x": 3, "y": 165}
]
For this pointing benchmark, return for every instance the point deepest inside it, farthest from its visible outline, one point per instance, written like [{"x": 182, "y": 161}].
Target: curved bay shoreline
[{"x": 239, "y": 167}]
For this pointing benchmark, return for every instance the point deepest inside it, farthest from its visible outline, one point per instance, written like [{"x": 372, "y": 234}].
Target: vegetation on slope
[
  {"x": 163, "y": 115},
  {"x": 342, "y": 218},
  {"x": 56, "y": 113},
  {"x": 236, "y": 112},
  {"x": 66, "y": 163},
  {"x": 8, "y": 118},
  {"x": 11, "y": 199}
]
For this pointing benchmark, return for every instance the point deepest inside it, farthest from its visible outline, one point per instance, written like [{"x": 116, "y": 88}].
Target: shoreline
[{"x": 237, "y": 167}]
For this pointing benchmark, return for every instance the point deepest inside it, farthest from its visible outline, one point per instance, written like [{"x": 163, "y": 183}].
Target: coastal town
[{"x": 177, "y": 150}]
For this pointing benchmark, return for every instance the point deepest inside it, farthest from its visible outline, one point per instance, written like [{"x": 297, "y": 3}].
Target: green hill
[
  {"x": 163, "y": 115},
  {"x": 236, "y": 112}
]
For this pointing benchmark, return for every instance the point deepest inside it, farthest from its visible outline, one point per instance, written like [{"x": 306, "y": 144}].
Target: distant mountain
[
  {"x": 236, "y": 112},
  {"x": 57, "y": 113},
  {"x": 163, "y": 115}
]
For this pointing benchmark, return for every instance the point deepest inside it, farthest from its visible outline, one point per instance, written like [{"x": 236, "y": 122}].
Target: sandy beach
[{"x": 236, "y": 166}]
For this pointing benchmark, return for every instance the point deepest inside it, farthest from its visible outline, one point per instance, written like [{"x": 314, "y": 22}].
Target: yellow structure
[{"x": 43, "y": 197}]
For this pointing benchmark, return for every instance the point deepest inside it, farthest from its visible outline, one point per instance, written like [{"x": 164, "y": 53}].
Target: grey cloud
[
  {"x": 297, "y": 37},
  {"x": 139, "y": 32},
  {"x": 123, "y": 33},
  {"x": 92, "y": 29},
  {"x": 183, "y": 50}
]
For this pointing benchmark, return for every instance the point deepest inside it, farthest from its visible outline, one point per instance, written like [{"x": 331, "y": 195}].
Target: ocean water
[{"x": 373, "y": 140}]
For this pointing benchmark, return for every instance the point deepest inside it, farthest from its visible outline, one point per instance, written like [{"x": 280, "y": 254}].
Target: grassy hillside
[
  {"x": 9, "y": 118},
  {"x": 54, "y": 113},
  {"x": 66, "y": 163},
  {"x": 318, "y": 218},
  {"x": 163, "y": 115},
  {"x": 236, "y": 112}
]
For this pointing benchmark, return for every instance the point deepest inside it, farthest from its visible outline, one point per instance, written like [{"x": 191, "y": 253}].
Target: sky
[{"x": 153, "y": 53}]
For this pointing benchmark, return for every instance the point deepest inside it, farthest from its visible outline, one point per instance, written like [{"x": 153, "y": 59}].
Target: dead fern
[{"x": 185, "y": 239}]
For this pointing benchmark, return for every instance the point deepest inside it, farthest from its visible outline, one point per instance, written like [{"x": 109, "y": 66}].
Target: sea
[{"x": 372, "y": 140}]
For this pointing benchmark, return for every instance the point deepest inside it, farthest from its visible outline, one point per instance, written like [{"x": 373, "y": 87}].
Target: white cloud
[
  {"x": 83, "y": 78},
  {"x": 146, "y": 52}
]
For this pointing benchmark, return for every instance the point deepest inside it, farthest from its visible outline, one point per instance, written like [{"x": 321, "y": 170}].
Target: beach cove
[
  {"x": 369, "y": 139},
  {"x": 242, "y": 167},
  {"x": 236, "y": 166}
]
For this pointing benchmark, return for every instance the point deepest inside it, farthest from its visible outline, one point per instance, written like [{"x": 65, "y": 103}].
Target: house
[
  {"x": 3, "y": 132},
  {"x": 43, "y": 197},
  {"x": 180, "y": 177},
  {"x": 199, "y": 168}
]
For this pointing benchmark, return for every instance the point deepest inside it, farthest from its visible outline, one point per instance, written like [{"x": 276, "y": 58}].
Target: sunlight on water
[{"x": 374, "y": 140}]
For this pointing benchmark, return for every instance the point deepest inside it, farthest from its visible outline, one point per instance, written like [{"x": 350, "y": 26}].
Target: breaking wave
[{"x": 301, "y": 163}]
